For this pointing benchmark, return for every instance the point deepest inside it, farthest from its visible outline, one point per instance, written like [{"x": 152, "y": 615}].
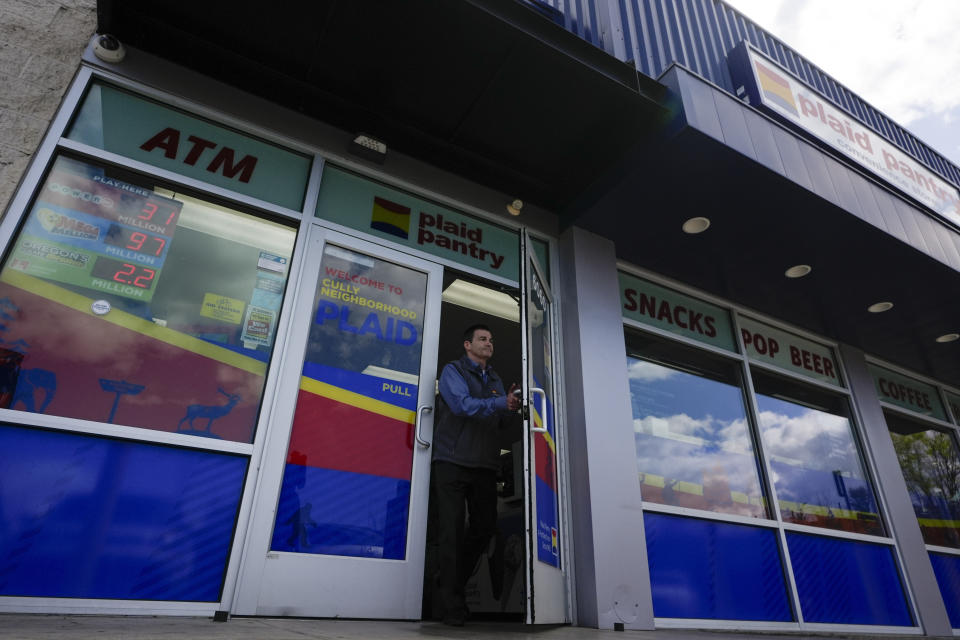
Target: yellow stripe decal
[
  {"x": 123, "y": 319},
  {"x": 356, "y": 400},
  {"x": 940, "y": 524},
  {"x": 653, "y": 480},
  {"x": 826, "y": 512},
  {"x": 538, "y": 422}
]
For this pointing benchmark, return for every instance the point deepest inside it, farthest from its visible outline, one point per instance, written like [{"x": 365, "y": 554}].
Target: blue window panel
[
  {"x": 714, "y": 570},
  {"x": 847, "y": 582},
  {"x": 341, "y": 513},
  {"x": 90, "y": 517},
  {"x": 947, "y": 570}
]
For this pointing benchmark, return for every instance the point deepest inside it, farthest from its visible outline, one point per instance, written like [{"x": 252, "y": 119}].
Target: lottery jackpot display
[{"x": 89, "y": 230}]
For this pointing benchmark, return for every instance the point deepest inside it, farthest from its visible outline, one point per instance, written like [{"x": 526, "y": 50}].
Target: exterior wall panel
[
  {"x": 888, "y": 209},
  {"x": 793, "y": 163},
  {"x": 868, "y": 201},
  {"x": 764, "y": 144},
  {"x": 841, "y": 178}
]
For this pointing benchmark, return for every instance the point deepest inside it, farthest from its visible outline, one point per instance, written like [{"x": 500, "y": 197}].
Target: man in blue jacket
[{"x": 471, "y": 409}]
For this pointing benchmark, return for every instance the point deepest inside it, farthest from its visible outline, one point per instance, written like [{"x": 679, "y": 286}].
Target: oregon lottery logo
[
  {"x": 55, "y": 254},
  {"x": 60, "y": 225}
]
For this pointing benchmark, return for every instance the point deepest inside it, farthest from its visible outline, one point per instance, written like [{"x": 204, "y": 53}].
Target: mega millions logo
[
  {"x": 390, "y": 217},
  {"x": 61, "y": 225},
  {"x": 776, "y": 88}
]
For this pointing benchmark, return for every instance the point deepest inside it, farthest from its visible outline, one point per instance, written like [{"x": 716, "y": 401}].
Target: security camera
[{"x": 108, "y": 48}]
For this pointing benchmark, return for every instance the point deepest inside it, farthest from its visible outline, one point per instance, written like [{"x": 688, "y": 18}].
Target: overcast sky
[{"x": 901, "y": 56}]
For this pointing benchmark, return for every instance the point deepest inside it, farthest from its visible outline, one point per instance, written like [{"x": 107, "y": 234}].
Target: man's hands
[{"x": 513, "y": 400}]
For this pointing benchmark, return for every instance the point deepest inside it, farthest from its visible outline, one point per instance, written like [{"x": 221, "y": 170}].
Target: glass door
[
  {"x": 339, "y": 517},
  {"x": 546, "y": 584}
]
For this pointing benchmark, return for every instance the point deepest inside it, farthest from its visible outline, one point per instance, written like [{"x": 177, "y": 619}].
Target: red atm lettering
[
  {"x": 225, "y": 160},
  {"x": 678, "y": 315},
  {"x": 811, "y": 361}
]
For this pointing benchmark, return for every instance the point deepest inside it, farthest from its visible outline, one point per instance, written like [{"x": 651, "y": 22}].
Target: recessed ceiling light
[
  {"x": 948, "y": 337},
  {"x": 514, "y": 207},
  {"x": 798, "y": 271},
  {"x": 880, "y": 307},
  {"x": 696, "y": 225}
]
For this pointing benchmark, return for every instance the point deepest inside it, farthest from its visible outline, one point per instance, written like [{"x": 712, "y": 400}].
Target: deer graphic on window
[{"x": 208, "y": 411}]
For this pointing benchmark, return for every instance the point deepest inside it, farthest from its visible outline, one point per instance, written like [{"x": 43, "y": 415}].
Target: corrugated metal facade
[{"x": 699, "y": 34}]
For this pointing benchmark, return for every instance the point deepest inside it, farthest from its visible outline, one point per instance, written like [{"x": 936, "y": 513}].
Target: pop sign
[{"x": 787, "y": 351}]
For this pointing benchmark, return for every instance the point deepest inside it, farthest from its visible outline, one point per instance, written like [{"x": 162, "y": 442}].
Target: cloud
[
  {"x": 820, "y": 440},
  {"x": 680, "y": 424},
  {"x": 648, "y": 372},
  {"x": 901, "y": 56}
]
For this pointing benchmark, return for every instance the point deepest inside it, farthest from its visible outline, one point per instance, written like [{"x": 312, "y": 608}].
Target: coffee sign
[
  {"x": 954, "y": 402},
  {"x": 908, "y": 393}
]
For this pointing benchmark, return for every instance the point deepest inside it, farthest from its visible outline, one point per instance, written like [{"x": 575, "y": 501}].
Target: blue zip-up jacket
[{"x": 469, "y": 415}]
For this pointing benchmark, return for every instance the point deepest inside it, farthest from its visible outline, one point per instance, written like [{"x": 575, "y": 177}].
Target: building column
[
  {"x": 918, "y": 572},
  {"x": 609, "y": 546}
]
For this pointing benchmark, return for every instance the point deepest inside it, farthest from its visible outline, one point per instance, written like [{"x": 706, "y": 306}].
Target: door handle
[
  {"x": 543, "y": 410},
  {"x": 416, "y": 428}
]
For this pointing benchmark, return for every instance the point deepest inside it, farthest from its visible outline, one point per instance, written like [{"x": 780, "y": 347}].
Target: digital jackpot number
[
  {"x": 146, "y": 243},
  {"x": 160, "y": 214},
  {"x": 123, "y": 272}
]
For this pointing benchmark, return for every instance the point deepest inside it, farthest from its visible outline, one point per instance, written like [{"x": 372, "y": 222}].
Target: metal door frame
[{"x": 256, "y": 552}]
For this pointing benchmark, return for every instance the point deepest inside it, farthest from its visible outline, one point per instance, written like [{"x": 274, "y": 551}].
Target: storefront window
[
  {"x": 694, "y": 447},
  {"x": 931, "y": 467},
  {"x": 817, "y": 470},
  {"x": 128, "y": 303}
]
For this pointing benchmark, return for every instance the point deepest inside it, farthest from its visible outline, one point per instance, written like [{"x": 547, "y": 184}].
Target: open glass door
[
  {"x": 546, "y": 584},
  {"x": 340, "y": 513}
]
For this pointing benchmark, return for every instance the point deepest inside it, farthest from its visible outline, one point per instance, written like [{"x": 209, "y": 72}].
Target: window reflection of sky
[
  {"x": 692, "y": 431},
  {"x": 814, "y": 461}
]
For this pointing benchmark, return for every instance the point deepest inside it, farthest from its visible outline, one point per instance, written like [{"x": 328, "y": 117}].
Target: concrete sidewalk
[{"x": 75, "y": 627}]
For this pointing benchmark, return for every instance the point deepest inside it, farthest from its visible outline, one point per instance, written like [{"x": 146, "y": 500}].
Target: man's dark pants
[{"x": 460, "y": 547}]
